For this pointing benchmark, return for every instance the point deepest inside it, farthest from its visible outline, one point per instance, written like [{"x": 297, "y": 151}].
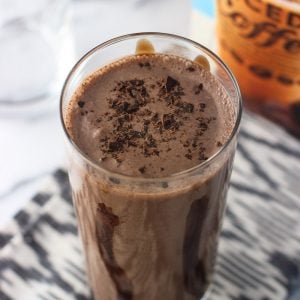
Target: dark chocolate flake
[
  {"x": 188, "y": 107},
  {"x": 202, "y": 155},
  {"x": 131, "y": 143},
  {"x": 203, "y": 126},
  {"x": 146, "y": 152},
  {"x": 136, "y": 82},
  {"x": 188, "y": 156},
  {"x": 194, "y": 144},
  {"x": 202, "y": 107},
  {"x": 104, "y": 139},
  {"x": 142, "y": 169},
  {"x": 186, "y": 144},
  {"x": 127, "y": 117},
  {"x": 145, "y": 64},
  {"x": 169, "y": 122},
  {"x": 171, "y": 83},
  {"x": 133, "y": 107},
  {"x": 134, "y": 134},
  {"x": 156, "y": 152},
  {"x": 164, "y": 184},
  {"x": 147, "y": 122},
  {"x": 81, "y": 103},
  {"x": 198, "y": 88},
  {"x": 115, "y": 146}
]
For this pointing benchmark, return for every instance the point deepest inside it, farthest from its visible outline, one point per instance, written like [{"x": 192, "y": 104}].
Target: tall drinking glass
[{"x": 150, "y": 238}]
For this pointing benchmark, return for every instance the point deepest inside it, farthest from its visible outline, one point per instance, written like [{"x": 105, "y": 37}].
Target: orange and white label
[{"x": 260, "y": 42}]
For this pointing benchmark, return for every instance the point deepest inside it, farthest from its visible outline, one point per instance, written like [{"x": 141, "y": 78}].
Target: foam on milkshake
[{"x": 150, "y": 115}]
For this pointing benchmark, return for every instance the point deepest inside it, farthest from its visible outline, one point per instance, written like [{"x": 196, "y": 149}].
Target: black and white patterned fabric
[{"x": 259, "y": 252}]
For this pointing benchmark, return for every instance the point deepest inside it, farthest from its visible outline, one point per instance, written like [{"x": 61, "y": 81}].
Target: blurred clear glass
[
  {"x": 36, "y": 52},
  {"x": 99, "y": 20}
]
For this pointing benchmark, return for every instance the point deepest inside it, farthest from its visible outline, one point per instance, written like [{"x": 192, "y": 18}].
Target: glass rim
[{"x": 174, "y": 176}]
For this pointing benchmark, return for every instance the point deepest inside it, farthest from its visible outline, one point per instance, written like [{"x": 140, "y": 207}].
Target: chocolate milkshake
[{"x": 150, "y": 173}]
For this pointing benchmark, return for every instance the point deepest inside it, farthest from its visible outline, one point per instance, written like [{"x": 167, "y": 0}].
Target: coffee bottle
[{"x": 260, "y": 42}]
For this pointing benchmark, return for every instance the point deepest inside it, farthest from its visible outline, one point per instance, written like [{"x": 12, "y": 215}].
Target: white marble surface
[{"x": 34, "y": 147}]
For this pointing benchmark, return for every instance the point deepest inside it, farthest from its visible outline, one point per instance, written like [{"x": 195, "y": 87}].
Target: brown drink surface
[{"x": 150, "y": 116}]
